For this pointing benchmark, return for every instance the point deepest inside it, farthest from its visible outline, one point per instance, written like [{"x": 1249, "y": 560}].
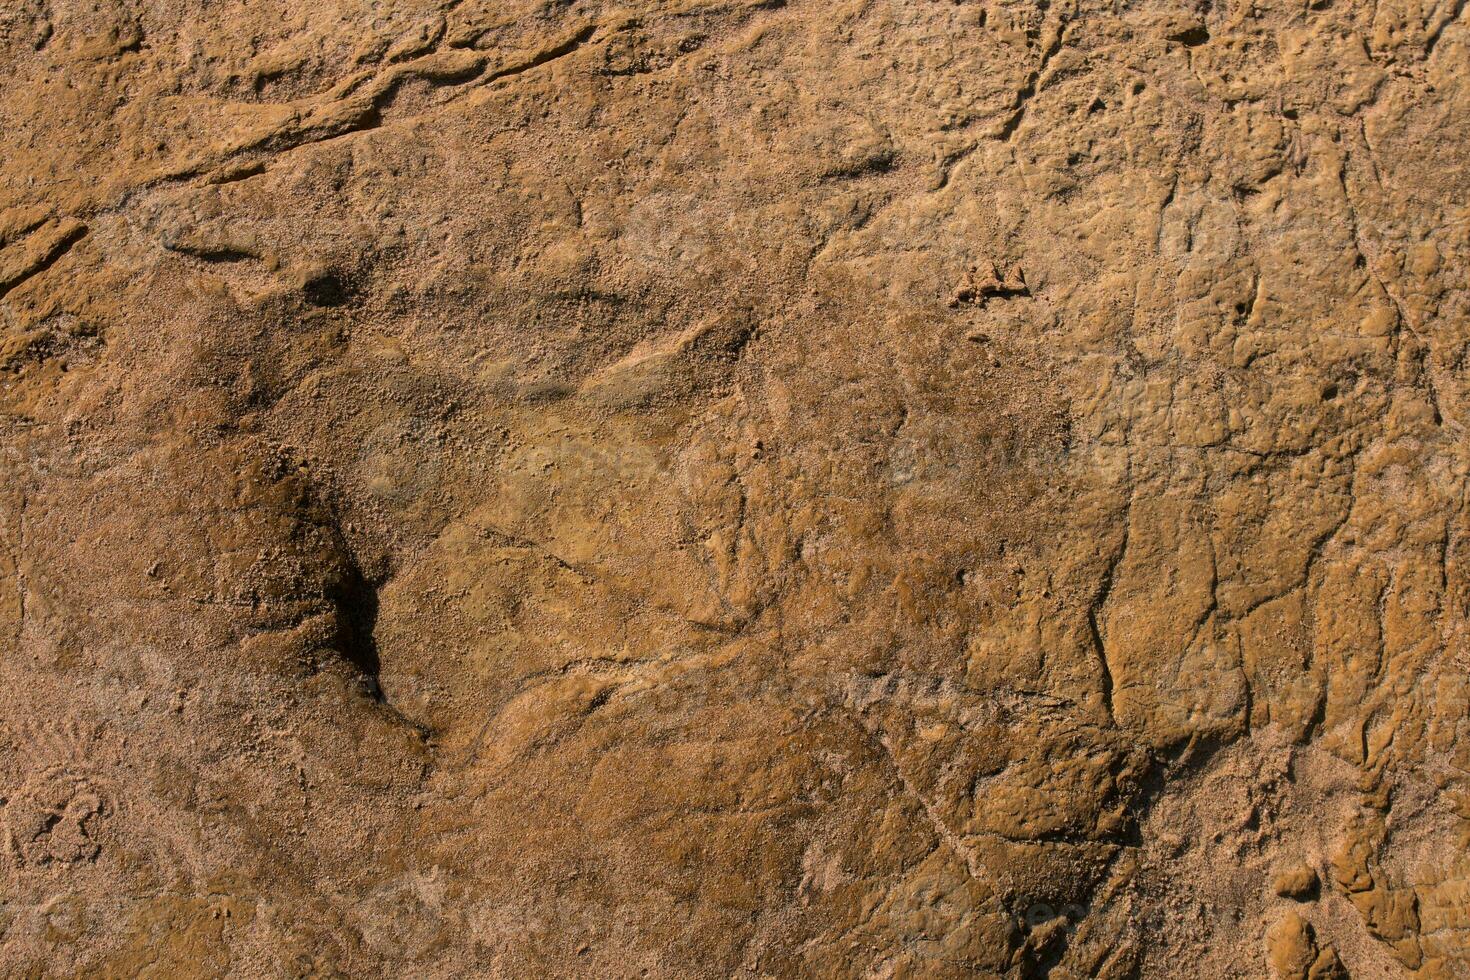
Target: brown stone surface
[{"x": 889, "y": 488}]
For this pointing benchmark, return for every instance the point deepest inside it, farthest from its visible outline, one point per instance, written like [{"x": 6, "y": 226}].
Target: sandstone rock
[
  {"x": 752, "y": 489},
  {"x": 1327, "y": 966},
  {"x": 1291, "y": 947},
  {"x": 1299, "y": 882}
]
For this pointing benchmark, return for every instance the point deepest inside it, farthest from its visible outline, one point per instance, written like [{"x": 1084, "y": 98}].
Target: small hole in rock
[
  {"x": 1191, "y": 36},
  {"x": 325, "y": 289}
]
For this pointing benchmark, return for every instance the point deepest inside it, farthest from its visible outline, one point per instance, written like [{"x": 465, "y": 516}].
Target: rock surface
[{"x": 703, "y": 489}]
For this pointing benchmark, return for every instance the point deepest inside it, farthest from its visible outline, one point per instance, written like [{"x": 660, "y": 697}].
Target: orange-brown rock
[{"x": 772, "y": 489}]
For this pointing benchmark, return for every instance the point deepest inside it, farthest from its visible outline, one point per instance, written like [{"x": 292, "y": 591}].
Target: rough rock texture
[{"x": 883, "y": 488}]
